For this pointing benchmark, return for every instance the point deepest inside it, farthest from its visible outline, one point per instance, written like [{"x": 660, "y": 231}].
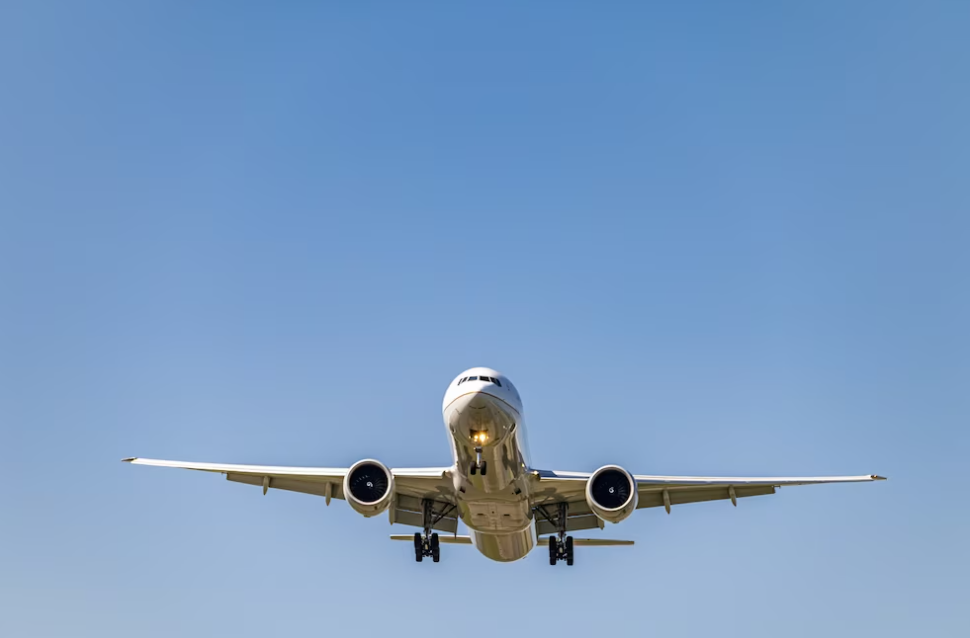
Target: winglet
[
  {"x": 129, "y": 459},
  {"x": 876, "y": 477}
]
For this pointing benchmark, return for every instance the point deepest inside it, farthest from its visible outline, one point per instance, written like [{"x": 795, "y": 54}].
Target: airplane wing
[
  {"x": 411, "y": 485},
  {"x": 659, "y": 491}
]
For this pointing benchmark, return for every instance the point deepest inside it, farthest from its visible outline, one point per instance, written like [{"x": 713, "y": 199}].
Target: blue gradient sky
[{"x": 702, "y": 238}]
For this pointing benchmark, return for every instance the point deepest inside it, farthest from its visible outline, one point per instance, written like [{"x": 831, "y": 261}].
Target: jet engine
[
  {"x": 611, "y": 493},
  {"x": 368, "y": 487}
]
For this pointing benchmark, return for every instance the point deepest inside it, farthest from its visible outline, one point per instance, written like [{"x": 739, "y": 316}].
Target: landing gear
[
  {"x": 560, "y": 549},
  {"x": 479, "y": 465},
  {"x": 428, "y": 544},
  {"x": 560, "y": 545}
]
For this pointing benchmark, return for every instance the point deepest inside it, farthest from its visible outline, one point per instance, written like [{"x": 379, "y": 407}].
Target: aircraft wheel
[
  {"x": 435, "y": 543},
  {"x": 569, "y": 550},
  {"x": 553, "y": 550},
  {"x": 418, "y": 547},
  {"x": 436, "y": 554},
  {"x": 484, "y": 467}
]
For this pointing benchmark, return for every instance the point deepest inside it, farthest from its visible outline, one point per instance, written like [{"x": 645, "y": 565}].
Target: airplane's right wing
[{"x": 411, "y": 486}]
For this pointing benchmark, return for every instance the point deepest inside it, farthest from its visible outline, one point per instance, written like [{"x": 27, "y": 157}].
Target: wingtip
[
  {"x": 129, "y": 459},
  {"x": 876, "y": 477}
]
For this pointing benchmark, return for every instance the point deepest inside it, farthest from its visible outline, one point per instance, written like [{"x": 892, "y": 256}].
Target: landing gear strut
[
  {"x": 560, "y": 545},
  {"x": 479, "y": 465},
  {"x": 427, "y": 544}
]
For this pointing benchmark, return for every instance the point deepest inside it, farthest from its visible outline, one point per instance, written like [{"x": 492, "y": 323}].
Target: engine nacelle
[
  {"x": 611, "y": 493},
  {"x": 368, "y": 487}
]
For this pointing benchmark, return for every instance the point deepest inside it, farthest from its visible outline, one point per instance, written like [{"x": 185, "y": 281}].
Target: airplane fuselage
[{"x": 484, "y": 417}]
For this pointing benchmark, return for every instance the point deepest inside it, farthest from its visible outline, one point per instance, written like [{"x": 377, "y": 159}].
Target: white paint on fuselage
[{"x": 495, "y": 507}]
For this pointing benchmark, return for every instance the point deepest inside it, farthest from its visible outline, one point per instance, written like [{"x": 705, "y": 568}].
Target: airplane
[{"x": 508, "y": 506}]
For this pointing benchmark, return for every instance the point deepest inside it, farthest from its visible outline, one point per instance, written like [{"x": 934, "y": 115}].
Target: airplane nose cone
[{"x": 478, "y": 414}]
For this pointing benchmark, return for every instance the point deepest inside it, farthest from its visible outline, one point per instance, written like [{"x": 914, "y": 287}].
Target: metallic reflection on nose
[
  {"x": 479, "y": 412},
  {"x": 471, "y": 400}
]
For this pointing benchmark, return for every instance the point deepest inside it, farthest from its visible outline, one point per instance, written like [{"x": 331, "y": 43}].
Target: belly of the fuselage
[
  {"x": 501, "y": 523},
  {"x": 505, "y": 547},
  {"x": 493, "y": 515}
]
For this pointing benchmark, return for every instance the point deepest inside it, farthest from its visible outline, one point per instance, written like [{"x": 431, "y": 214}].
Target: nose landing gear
[{"x": 479, "y": 465}]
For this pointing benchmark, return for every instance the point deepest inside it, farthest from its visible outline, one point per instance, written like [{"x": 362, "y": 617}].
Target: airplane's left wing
[
  {"x": 411, "y": 485},
  {"x": 553, "y": 488},
  {"x": 657, "y": 491}
]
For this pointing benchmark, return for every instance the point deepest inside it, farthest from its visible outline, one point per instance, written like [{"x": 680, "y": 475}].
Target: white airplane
[{"x": 506, "y": 503}]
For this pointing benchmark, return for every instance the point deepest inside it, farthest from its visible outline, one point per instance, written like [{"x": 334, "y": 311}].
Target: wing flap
[
  {"x": 574, "y": 523},
  {"x": 332, "y": 489},
  {"x": 682, "y": 496},
  {"x": 407, "y": 510}
]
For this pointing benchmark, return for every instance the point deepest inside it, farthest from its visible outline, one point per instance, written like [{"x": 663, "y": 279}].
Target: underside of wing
[
  {"x": 412, "y": 486},
  {"x": 666, "y": 491},
  {"x": 554, "y": 487}
]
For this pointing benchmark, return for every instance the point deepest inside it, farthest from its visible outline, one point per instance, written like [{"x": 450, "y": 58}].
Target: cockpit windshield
[{"x": 494, "y": 380}]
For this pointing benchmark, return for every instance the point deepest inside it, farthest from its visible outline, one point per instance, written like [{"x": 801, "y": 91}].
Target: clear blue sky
[{"x": 702, "y": 238}]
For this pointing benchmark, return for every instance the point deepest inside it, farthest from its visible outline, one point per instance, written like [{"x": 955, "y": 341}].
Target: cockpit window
[{"x": 494, "y": 380}]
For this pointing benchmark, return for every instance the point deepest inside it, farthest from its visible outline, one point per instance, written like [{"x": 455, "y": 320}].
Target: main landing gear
[
  {"x": 560, "y": 546},
  {"x": 560, "y": 550},
  {"x": 427, "y": 544},
  {"x": 479, "y": 465}
]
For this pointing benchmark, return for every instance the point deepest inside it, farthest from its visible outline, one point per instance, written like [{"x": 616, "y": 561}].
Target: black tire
[
  {"x": 473, "y": 470},
  {"x": 418, "y": 547},
  {"x": 436, "y": 554},
  {"x": 569, "y": 550},
  {"x": 553, "y": 550},
  {"x": 435, "y": 543},
  {"x": 484, "y": 468}
]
